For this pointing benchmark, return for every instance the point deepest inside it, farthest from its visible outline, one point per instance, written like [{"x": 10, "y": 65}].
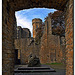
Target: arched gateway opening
[{"x": 9, "y": 25}]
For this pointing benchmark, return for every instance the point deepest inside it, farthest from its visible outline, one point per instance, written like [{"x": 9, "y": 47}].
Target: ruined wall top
[{"x": 23, "y": 32}]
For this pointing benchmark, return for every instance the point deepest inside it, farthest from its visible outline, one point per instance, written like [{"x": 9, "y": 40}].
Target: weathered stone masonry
[
  {"x": 25, "y": 49},
  {"x": 36, "y": 23},
  {"x": 49, "y": 50},
  {"x": 50, "y": 45},
  {"x": 8, "y": 37},
  {"x": 23, "y": 32},
  {"x": 25, "y": 45},
  {"x": 9, "y": 8},
  {"x": 69, "y": 37}
]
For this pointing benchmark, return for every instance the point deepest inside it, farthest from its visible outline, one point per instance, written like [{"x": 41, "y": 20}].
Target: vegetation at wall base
[{"x": 53, "y": 63}]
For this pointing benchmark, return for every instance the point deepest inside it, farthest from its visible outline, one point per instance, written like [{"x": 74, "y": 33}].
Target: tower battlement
[{"x": 36, "y": 20}]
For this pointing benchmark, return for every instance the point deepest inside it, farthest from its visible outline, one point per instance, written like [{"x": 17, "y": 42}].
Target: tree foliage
[{"x": 58, "y": 24}]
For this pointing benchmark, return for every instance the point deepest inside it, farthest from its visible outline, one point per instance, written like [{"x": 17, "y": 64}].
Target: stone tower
[{"x": 36, "y": 22}]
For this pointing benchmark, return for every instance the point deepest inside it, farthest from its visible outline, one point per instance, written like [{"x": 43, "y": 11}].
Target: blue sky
[{"x": 24, "y": 17}]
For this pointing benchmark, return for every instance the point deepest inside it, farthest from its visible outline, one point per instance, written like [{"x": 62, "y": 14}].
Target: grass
[
  {"x": 56, "y": 65},
  {"x": 53, "y": 64}
]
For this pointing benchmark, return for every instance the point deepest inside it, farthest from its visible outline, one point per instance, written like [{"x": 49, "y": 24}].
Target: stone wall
[
  {"x": 44, "y": 52},
  {"x": 50, "y": 45},
  {"x": 26, "y": 33},
  {"x": 19, "y": 30},
  {"x": 26, "y": 47},
  {"x": 8, "y": 36},
  {"x": 63, "y": 49},
  {"x": 69, "y": 37},
  {"x": 50, "y": 49},
  {"x": 23, "y": 32},
  {"x": 54, "y": 48}
]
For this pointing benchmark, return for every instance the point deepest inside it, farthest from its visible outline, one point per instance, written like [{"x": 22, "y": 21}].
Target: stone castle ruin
[
  {"x": 9, "y": 31},
  {"x": 47, "y": 47}
]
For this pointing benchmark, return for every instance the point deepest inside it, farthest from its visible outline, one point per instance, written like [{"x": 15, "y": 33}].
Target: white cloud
[{"x": 24, "y": 22}]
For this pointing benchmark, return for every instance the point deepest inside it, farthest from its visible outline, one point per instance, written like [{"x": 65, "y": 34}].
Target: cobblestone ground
[{"x": 60, "y": 70}]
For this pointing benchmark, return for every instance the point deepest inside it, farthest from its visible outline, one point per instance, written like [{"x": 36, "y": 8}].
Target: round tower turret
[{"x": 36, "y": 22}]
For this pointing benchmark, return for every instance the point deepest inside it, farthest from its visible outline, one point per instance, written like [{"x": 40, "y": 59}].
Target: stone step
[
  {"x": 27, "y": 71},
  {"x": 33, "y": 69}
]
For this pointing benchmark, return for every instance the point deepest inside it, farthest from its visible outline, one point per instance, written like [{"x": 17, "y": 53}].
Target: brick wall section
[
  {"x": 8, "y": 39},
  {"x": 69, "y": 38}
]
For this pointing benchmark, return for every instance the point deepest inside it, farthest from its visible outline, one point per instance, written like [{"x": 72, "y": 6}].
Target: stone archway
[{"x": 9, "y": 28}]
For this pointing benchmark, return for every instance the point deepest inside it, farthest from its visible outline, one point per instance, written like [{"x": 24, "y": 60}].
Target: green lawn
[
  {"x": 56, "y": 65},
  {"x": 53, "y": 64}
]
